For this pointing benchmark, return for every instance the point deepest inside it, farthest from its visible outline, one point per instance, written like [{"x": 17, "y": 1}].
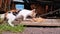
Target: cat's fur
[
  {"x": 26, "y": 13},
  {"x": 10, "y": 17}
]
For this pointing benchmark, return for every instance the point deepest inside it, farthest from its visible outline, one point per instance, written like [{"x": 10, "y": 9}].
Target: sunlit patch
[
  {"x": 2, "y": 16},
  {"x": 38, "y": 19}
]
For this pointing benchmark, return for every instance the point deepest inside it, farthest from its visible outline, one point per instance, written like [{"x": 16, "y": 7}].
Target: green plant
[{"x": 6, "y": 27}]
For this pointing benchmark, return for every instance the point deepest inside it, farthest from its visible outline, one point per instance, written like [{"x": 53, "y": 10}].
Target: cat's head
[
  {"x": 33, "y": 14},
  {"x": 14, "y": 12}
]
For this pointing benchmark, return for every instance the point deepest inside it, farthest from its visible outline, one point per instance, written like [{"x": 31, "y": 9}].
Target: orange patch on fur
[
  {"x": 38, "y": 19},
  {"x": 13, "y": 10}
]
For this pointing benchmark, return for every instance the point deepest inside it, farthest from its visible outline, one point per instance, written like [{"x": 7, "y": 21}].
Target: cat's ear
[{"x": 33, "y": 10}]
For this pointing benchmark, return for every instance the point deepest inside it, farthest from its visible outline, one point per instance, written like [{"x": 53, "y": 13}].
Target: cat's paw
[{"x": 12, "y": 25}]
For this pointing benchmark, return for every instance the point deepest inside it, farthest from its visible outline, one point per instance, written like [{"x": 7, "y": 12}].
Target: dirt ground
[{"x": 37, "y": 30}]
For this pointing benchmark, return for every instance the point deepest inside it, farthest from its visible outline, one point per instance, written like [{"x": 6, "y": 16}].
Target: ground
[
  {"x": 40, "y": 30},
  {"x": 37, "y": 30}
]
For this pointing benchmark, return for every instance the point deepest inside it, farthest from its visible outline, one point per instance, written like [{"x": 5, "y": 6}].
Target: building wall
[{"x": 5, "y": 5}]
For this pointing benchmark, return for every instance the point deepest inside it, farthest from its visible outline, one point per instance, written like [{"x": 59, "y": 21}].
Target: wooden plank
[{"x": 47, "y": 22}]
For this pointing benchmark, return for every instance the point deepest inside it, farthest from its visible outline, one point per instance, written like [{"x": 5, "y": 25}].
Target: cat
[
  {"x": 26, "y": 13},
  {"x": 10, "y": 18}
]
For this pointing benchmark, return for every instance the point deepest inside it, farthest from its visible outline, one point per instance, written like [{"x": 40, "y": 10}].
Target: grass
[{"x": 6, "y": 27}]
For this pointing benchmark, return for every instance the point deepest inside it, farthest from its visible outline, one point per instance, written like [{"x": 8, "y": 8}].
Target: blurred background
[{"x": 44, "y": 8}]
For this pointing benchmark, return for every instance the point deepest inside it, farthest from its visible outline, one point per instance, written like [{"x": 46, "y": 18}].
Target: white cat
[{"x": 26, "y": 13}]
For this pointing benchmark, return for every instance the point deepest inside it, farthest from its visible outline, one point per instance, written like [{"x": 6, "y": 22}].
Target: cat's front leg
[
  {"x": 24, "y": 18},
  {"x": 10, "y": 20},
  {"x": 10, "y": 23}
]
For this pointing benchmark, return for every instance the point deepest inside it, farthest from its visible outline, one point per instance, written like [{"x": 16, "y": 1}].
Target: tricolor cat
[{"x": 10, "y": 17}]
